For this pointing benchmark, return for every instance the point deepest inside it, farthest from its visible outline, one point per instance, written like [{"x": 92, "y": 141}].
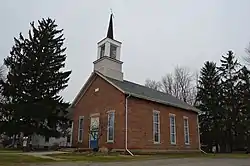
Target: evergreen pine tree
[
  {"x": 35, "y": 79},
  {"x": 208, "y": 102},
  {"x": 229, "y": 72},
  {"x": 245, "y": 109}
]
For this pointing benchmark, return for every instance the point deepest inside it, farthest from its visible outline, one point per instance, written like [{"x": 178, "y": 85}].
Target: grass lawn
[
  {"x": 202, "y": 155},
  {"x": 228, "y": 155},
  {"x": 7, "y": 159},
  {"x": 110, "y": 158},
  {"x": 98, "y": 157},
  {"x": 10, "y": 159},
  {"x": 10, "y": 151}
]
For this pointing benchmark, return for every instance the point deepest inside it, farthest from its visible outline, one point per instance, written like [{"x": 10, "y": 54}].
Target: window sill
[
  {"x": 110, "y": 142},
  {"x": 173, "y": 144},
  {"x": 157, "y": 143}
]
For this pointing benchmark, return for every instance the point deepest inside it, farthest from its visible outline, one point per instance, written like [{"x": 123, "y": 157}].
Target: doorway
[{"x": 94, "y": 132}]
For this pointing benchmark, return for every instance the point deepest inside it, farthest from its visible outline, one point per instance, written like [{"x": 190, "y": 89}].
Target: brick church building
[{"x": 112, "y": 112}]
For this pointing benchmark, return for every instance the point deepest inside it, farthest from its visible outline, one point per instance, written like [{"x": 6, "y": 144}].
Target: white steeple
[{"x": 108, "y": 55}]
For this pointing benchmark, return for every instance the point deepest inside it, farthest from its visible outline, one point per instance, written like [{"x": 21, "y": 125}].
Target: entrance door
[{"x": 94, "y": 131}]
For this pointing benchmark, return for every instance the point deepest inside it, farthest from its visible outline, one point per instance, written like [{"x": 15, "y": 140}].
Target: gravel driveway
[{"x": 164, "y": 162}]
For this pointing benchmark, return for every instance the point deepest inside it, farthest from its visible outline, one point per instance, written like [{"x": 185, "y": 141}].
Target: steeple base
[{"x": 109, "y": 67}]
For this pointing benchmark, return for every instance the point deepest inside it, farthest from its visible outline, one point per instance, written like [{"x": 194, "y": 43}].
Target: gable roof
[
  {"x": 138, "y": 91},
  {"x": 87, "y": 84},
  {"x": 147, "y": 93}
]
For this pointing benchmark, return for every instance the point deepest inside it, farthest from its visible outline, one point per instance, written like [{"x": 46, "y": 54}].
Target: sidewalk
[{"x": 44, "y": 154}]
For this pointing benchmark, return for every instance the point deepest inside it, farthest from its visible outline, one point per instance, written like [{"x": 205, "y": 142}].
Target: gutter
[
  {"x": 126, "y": 126},
  {"x": 199, "y": 136}
]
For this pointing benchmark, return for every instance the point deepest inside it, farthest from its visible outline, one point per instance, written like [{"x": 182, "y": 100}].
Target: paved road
[{"x": 165, "y": 162}]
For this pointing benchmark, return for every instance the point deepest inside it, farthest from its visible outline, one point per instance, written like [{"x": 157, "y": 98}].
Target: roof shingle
[{"x": 151, "y": 94}]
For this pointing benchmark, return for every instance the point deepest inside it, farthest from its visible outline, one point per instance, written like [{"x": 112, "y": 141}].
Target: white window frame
[
  {"x": 186, "y": 131},
  {"x": 173, "y": 142},
  {"x": 108, "y": 126},
  {"x": 79, "y": 128},
  {"x": 159, "y": 131}
]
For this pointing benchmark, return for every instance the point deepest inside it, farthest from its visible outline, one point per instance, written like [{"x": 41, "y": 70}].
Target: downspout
[
  {"x": 199, "y": 136},
  {"x": 126, "y": 126}
]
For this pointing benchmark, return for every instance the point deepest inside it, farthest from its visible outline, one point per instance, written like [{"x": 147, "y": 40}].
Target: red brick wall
[
  {"x": 107, "y": 98},
  {"x": 140, "y": 122}
]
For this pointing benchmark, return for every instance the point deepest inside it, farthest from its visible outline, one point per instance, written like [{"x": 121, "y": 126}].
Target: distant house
[
  {"x": 136, "y": 117},
  {"x": 39, "y": 141}
]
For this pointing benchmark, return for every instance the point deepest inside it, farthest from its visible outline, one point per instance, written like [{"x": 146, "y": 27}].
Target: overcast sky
[{"x": 156, "y": 35}]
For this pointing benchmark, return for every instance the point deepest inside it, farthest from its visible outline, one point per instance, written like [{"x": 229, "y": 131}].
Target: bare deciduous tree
[
  {"x": 181, "y": 84},
  {"x": 194, "y": 89},
  {"x": 153, "y": 84},
  {"x": 167, "y": 84},
  {"x": 3, "y": 78},
  {"x": 247, "y": 58}
]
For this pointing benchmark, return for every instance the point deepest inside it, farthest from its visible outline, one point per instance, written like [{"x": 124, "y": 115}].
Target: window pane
[
  {"x": 81, "y": 123},
  {"x": 110, "y": 136},
  {"x": 173, "y": 138},
  {"x": 80, "y": 129},
  {"x": 156, "y": 117},
  {"x": 111, "y": 118},
  {"x": 102, "y": 50},
  {"x": 185, "y": 123},
  {"x": 112, "y": 51},
  {"x": 157, "y": 127},
  {"x": 186, "y": 139},
  {"x": 80, "y": 135},
  {"x": 186, "y": 131},
  {"x": 156, "y": 135},
  {"x": 172, "y": 120},
  {"x": 172, "y": 129}
]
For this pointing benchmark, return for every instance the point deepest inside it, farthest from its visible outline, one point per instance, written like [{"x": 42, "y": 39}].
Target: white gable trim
[
  {"x": 87, "y": 85},
  {"x": 103, "y": 77}
]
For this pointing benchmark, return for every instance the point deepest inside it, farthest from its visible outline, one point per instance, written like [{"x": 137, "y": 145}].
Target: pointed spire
[{"x": 110, "y": 28}]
